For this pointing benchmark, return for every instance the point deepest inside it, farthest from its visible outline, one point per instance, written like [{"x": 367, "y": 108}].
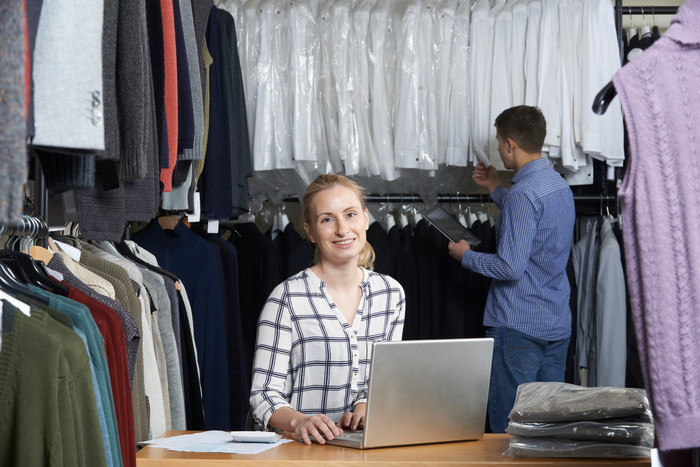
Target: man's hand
[
  {"x": 486, "y": 177},
  {"x": 319, "y": 426},
  {"x": 457, "y": 249}
]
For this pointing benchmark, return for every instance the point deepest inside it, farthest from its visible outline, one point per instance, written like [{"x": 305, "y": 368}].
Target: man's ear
[{"x": 510, "y": 142}]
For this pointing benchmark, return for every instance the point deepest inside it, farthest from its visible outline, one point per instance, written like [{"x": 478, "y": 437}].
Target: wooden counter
[{"x": 487, "y": 451}]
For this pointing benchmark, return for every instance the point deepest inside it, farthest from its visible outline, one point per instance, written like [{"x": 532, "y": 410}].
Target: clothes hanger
[
  {"x": 403, "y": 219},
  {"x": 655, "y": 34},
  {"x": 646, "y": 29},
  {"x": 417, "y": 216},
  {"x": 604, "y": 98},
  {"x": 168, "y": 222},
  {"x": 24, "y": 267}
]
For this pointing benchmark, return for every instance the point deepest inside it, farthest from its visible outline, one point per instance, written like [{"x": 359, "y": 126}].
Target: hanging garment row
[
  {"x": 418, "y": 84},
  {"x": 144, "y": 129},
  {"x": 602, "y": 325},
  {"x": 121, "y": 325},
  {"x": 162, "y": 344},
  {"x": 63, "y": 367}
]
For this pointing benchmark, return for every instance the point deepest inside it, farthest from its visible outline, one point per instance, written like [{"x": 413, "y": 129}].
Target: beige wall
[{"x": 662, "y": 21}]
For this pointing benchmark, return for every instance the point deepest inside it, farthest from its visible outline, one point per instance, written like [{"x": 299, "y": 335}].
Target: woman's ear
[{"x": 307, "y": 229}]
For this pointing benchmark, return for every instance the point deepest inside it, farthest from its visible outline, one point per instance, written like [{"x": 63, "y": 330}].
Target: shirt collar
[
  {"x": 683, "y": 27},
  {"x": 530, "y": 167},
  {"x": 317, "y": 280}
]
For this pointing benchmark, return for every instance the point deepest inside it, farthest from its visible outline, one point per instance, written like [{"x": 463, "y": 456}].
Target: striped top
[
  {"x": 530, "y": 291},
  {"x": 308, "y": 357}
]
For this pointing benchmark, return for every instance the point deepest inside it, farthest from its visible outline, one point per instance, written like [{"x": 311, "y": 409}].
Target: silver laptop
[{"x": 425, "y": 391}]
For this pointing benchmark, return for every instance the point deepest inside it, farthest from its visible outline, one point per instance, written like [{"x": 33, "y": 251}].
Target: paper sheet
[{"x": 212, "y": 441}]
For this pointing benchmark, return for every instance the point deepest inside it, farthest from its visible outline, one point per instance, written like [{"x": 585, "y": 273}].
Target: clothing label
[
  {"x": 213, "y": 226},
  {"x": 194, "y": 217}
]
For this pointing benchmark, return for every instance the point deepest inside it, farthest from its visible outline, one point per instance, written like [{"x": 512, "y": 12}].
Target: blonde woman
[{"x": 316, "y": 330}]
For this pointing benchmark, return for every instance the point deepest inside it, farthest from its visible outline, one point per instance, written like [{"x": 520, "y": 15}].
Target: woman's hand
[
  {"x": 354, "y": 420},
  {"x": 319, "y": 426}
]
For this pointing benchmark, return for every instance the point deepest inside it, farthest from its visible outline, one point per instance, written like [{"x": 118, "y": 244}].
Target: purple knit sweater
[{"x": 660, "y": 96}]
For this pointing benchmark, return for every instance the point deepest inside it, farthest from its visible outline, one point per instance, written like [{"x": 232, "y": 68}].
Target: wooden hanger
[
  {"x": 168, "y": 222},
  {"x": 40, "y": 254}
]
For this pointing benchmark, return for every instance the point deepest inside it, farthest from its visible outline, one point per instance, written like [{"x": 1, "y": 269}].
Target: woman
[{"x": 316, "y": 329}]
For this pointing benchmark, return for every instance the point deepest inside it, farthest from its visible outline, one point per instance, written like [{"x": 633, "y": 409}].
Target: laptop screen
[{"x": 427, "y": 391}]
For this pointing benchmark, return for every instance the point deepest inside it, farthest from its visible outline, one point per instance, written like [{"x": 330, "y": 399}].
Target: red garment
[
  {"x": 171, "y": 115},
  {"x": 110, "y": 327}
]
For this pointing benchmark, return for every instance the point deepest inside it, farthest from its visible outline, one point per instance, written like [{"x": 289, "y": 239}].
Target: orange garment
[{"x": 170, "y": 61}]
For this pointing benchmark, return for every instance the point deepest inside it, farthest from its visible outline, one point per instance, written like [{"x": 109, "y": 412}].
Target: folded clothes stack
[{"x": 565, "y": 420}]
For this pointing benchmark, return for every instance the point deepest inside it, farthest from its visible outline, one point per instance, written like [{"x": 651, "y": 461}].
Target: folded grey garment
[
  {"x": 608, "y": 430},
  {"x": 520, "y": 446},
  {"x": 554, "y": 402}
]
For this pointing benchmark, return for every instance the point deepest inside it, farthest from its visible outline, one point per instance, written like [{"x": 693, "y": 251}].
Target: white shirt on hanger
[
  {"x": 407, "y": 124},
  {"x": 501, "y": 17},
  {"x": 549, "y": 75},
  {"x": 519, "y": 12},
  {"x": 341, "y": 46},
  {"x": 445, "y": 32},
  {"x": 482, "y": 57},
  {"x": 532, "y": 52},
  {"x": 602, "y": 136},
  {"x": 460, "y": 112},
  {"x": 382, "y": 63},
  {"x": 369, "y": 162},
  {"x": 249, "y": 50},
  {"x": 282, "y": 88},
  {"x": 428, "y": 85},
  {"x": 263, "y": 142},
  {"x": 329, "y": 100},
  {"x": 569, "y": 44},
  {"x": 305, "y": 53}
]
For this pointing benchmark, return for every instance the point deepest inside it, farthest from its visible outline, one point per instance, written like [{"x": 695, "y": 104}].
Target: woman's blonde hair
[{"x": 325, "y": 182}]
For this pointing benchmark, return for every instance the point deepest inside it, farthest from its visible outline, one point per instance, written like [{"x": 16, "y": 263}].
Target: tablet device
[{"x": 449, "y": 226}]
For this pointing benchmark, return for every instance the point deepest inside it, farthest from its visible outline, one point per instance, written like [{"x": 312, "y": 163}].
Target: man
[{"x": 527, "y": 311}]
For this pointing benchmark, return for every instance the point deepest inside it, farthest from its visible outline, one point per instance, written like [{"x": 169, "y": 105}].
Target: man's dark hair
[{"x": 523, "y": 124}]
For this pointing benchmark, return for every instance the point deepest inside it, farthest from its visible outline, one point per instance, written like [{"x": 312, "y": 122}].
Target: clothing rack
[
  {"x": 31, "y": 228},
  {"x": 645, "y": 10},
  {"x": 637, "y": 10},
  {"x": 460, "y": 198},
  {"x": 608, "y": 93}
]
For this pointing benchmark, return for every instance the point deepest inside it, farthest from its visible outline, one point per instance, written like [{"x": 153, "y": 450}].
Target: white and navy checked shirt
[
  {"x": 530, "y": 291},
  {"x": 308, "y": 357}
]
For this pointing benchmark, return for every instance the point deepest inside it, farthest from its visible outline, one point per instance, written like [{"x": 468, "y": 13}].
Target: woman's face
[{"x": 338, "y": 224}]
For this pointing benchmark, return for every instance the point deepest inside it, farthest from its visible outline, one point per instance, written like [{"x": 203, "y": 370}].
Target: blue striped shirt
[
  {"x": 308, "y": 357},
  {"x": 530, "y": 290}
]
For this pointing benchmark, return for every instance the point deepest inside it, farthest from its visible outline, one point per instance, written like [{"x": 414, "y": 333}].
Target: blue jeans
[{"x": 519, "y": 358}]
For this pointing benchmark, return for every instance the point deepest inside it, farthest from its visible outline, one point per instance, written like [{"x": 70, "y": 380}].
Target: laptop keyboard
[{"x": 352, "y": 435}]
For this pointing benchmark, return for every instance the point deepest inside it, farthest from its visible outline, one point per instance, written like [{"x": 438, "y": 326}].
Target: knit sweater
[
  {"x": 13, "y": 149},
  {"x": 45, "y": 377},
  {"x": 659, "y": 92}
]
